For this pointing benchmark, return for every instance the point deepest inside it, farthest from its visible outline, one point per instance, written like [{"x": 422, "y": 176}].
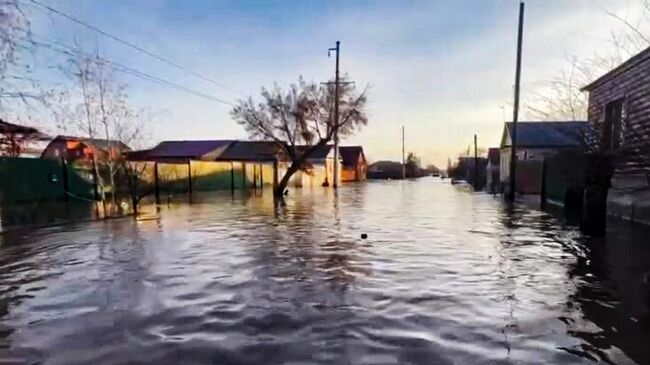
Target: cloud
[{"x": 442, "y": 69}]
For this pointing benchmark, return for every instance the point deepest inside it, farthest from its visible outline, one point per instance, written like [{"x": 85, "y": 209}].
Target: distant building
[
  {"x": 354, "y": 163},
  {"x": 537, "y": 140},
  {"x": 79, "y": 149},
  {"x": 493, "y": 170},
  {"x": 385, "y": 170},
  {"x": 619, "y": 110}
]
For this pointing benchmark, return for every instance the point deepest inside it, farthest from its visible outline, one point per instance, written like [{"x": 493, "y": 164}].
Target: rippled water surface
[{"x": 444, "y": 277}]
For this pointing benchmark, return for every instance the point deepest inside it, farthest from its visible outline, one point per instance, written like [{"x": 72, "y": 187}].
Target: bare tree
[
  {"x": 102, "y": 114},
  {"x": 303, "y": 115},
  {"x": 561, "y": 97}
]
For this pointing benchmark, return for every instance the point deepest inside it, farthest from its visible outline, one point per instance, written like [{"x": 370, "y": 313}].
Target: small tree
[
  {"x": 102, "y": 114},
  {"x": 302, "y": 115}
]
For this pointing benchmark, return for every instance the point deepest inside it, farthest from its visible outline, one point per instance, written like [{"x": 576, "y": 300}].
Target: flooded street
[{"x": 445, "y": 277}]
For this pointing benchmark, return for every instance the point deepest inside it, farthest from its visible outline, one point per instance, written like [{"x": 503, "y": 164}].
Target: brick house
[{"x": 619, "y": 110}]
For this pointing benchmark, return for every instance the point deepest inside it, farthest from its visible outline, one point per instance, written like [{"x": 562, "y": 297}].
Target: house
[
  {"x": 385, "y": 170},
  {"x": 318, "y": 170},
  {"x": 493, "y": 170},
  {"x": 619, "y": 111},
  {"x": 354, "y": 163},
  {"x": 21, "y": 141},
  {"x": 79, "y": 149},
  {"x": 536, "y": 141}
]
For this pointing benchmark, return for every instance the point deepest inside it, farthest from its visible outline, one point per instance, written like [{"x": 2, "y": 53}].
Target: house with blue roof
[{"x": 539, "y": 139}]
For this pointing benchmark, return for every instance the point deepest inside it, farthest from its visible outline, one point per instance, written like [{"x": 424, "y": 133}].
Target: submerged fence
[
  {"x": 25, "y": 180},
  {"x": 29, "y": 179}
]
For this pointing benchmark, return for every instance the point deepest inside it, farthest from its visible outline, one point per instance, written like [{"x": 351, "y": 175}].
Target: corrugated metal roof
[
  {"x": 250, "y": 151},
  {"x": 549, "y": 134},
  {"x": 187, "y": 149}
]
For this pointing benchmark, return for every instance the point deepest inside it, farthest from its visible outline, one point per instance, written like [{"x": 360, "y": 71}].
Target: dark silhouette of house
[
  {"x": 385, "y": 170},
  {"x": 354, "y": 163}
]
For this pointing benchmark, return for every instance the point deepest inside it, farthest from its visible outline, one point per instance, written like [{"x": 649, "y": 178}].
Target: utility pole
[
  {"x": 515, "y": 111},
  {"x": 337, "y": 49},
  {"x": 403, "y": 159}
]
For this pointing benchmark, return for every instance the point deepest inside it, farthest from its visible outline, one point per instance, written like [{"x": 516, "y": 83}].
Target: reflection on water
[{"x": 444, "y": 277}]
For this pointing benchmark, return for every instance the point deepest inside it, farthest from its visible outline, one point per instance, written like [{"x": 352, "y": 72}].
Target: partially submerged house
[
  {"x": 385, "y": 170},
  {"x": 318, "y": 170},
  {"x": 80, "y": 149},
  {"x": 354, "y": 163},
  {"x": 536, "y": 141},
  {"x": 619, "y": 111}
]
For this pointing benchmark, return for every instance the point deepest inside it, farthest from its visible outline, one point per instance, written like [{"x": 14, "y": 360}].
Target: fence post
[
  {"x": 156, "y": 184},
  {"x": 232, "y": 178},
  {"x": 543, "y": 187},
  {"x": 64, "y": 171},
  {"x": 243, "y": 168},
  {"x": 189, "y": 178}
]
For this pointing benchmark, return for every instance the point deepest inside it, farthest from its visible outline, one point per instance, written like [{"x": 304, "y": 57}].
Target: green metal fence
[{"x": 30, "y": 179}]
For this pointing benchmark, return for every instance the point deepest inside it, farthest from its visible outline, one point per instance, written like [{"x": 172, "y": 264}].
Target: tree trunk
[
  {"x": 282, "y": 185},
  {"x": 295, "y": 166}
]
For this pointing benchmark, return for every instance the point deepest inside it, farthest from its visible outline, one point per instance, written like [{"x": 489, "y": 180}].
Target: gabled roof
[
  {"x": 547, "y": 134},
  {"x": 632, "y": 62},
  {"x": 99, "y": 143},
  {"x": 350, "y": 155},
  {"x": 319, "y": 154},
  {"x": 206, "y": 149},
  {"x": 250, "y": 151}
]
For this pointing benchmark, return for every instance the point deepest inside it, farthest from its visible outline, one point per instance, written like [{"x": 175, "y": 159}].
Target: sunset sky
[{"x": 444, "y": 69}]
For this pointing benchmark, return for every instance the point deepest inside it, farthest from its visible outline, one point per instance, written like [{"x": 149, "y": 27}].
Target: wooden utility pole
[
  {"x": 475, "y": 163},
  {"x": 403, "y": 159},
  {"x": 337, "y": 49},
  {"x": 515, "y": 110}
]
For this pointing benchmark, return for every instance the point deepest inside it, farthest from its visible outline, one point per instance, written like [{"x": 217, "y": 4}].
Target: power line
[
  {"x": 73, "y": 52},
  {"x": 132, "y": 45}
]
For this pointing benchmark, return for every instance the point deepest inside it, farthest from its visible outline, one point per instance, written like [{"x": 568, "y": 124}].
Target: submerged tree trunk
[
  {"x": 296, "y": 164},
  {"x": 282, "y": 184}
]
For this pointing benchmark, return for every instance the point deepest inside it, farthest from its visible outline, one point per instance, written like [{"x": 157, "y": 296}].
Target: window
[{"x": 614, "y": 126}]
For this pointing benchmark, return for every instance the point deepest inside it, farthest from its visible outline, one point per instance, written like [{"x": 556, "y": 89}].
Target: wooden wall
[{"x": 632, "y": 85}]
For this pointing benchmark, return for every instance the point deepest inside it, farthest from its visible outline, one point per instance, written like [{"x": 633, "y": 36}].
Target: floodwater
[{"x": 445, "y": 276}]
